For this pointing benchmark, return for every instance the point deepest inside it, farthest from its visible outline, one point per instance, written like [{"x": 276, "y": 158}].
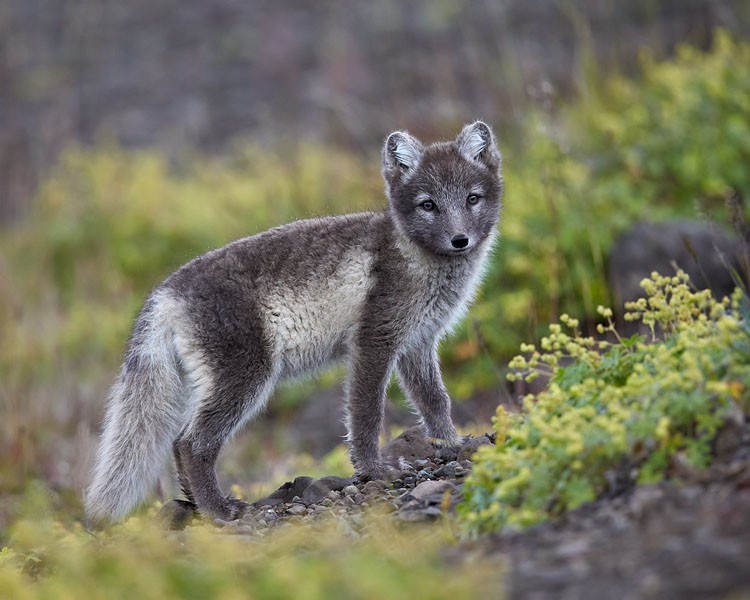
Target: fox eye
[
  {"x": 472, "y": 199},
  {"x": 428, "y": 205}
]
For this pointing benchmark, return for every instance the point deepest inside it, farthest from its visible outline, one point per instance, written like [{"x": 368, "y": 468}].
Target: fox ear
[
  {"x": 477, "y": 143},
  {"x": 401, "y": 154}
]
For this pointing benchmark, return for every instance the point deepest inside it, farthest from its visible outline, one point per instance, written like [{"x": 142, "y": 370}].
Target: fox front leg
[
  {"x": 421, "y": 381},
  {"x": 369, "y": 373}
]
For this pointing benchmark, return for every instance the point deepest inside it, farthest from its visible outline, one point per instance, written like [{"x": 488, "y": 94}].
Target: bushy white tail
[{"x": 145, "y": 413}]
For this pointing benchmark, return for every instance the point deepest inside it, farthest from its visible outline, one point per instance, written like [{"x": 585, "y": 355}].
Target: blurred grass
[
  {"x": 47, "y": 559},
  {"x": 109, "y": 224}
]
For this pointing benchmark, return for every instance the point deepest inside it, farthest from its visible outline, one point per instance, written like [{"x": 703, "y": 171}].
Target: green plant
[
  {"x": 643, "y": 403},
  {"x": 674, "y": 142}
]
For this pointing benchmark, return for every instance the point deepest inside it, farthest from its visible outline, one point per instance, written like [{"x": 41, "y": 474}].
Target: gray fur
[{"x": 378, "y": 290}]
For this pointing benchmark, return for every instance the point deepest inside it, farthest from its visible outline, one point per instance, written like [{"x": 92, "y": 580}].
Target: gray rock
[
  {"x": 374, "y": 487},
  {"x": 448, "y": 470},
  {"x": 297, "y": 509},
  {"x": 430, "y": 488},
  {"x": 289, "y": 490},
  {"x": 423, "y": 514},
  {"x": 263, "y": 502},
  {"x": 320, "y": 488},
  {"x": 270, "y": 516},
  {"x": 350, "y": 490},
  {"x": 411, "y": 445}
]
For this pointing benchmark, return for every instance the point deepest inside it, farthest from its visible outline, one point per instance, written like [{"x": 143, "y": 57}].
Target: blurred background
[{"x": 134, "y": 136}]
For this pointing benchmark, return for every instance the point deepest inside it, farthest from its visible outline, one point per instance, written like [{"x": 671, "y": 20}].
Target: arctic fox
[{"x": 377, "y": 290}]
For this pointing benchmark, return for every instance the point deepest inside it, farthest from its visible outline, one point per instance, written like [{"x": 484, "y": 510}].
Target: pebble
[
  {"x": 374, "y": 487},
  {"x": 270, "y": 516},
  {"x": 430, "y": 488},
  {"x": 297, "y": 509},
  {"x": 416, "y": 495},
  {"x": 351, "y": 490}
]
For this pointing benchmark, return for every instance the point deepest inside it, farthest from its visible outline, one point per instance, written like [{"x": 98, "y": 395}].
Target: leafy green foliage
[
  {"x": 636, "y": 404},
  {"x": 674, "y": 143}
]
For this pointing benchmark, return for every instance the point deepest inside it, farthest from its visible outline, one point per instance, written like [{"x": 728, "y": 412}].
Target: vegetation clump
[
  {"x": 137, "y": 560},
  {"x": 645, "y": 404}
]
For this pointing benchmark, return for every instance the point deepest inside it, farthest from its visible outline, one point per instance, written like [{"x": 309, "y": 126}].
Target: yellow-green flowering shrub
[{"x": 637, "y": 403}]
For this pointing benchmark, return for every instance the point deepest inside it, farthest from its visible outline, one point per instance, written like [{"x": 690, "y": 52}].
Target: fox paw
[
  {"x": 450, "y": 443},
  {"x": 381, "y": 471},
  {"x": 230, "y": 509}
]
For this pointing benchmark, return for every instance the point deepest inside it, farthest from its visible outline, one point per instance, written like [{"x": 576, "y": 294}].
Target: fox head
[{"x": 445, "y": 197}]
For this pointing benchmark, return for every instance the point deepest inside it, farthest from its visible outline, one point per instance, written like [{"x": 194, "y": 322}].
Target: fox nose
[{"x": 460, "y": 240}]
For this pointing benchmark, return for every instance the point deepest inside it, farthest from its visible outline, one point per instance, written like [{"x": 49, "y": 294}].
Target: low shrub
[{"x": 643, "y": 404}]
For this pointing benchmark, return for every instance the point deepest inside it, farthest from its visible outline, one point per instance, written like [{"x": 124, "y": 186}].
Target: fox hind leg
[
  {"x": 215, "y": 419},
  {"x": 182, "y": 478}
]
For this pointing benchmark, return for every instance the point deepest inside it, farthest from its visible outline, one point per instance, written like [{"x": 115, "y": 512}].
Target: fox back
[{"x": 378, "y": 290}]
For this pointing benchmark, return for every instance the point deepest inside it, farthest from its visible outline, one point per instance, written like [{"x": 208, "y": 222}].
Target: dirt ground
[{"x": 687, "y": 538}]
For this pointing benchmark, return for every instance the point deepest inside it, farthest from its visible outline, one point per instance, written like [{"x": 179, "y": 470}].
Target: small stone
[
  {"x": 325, "y": 502},
  {"x": 448, "y": 469},
  {"x": 425, "y": 514},
  {"x": 374, "y": 487},
  {"x": 320, "y": 488},
  {"x": 333, "y": 495},
  {"x": 421, "y": 463},
  {"x": 288, "y": 490},
  {"x": 426, "y": 473},
  {"x": 359, "y": 498},
  {"x": 268, "y": 502},
  {"x": 249, "y": 519},
  {"x": 351, "y": 490},
  {"x": 297, "y": 509},
  {"x": 270, "y": 516},
  {"x": 430, "y": 488}
]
